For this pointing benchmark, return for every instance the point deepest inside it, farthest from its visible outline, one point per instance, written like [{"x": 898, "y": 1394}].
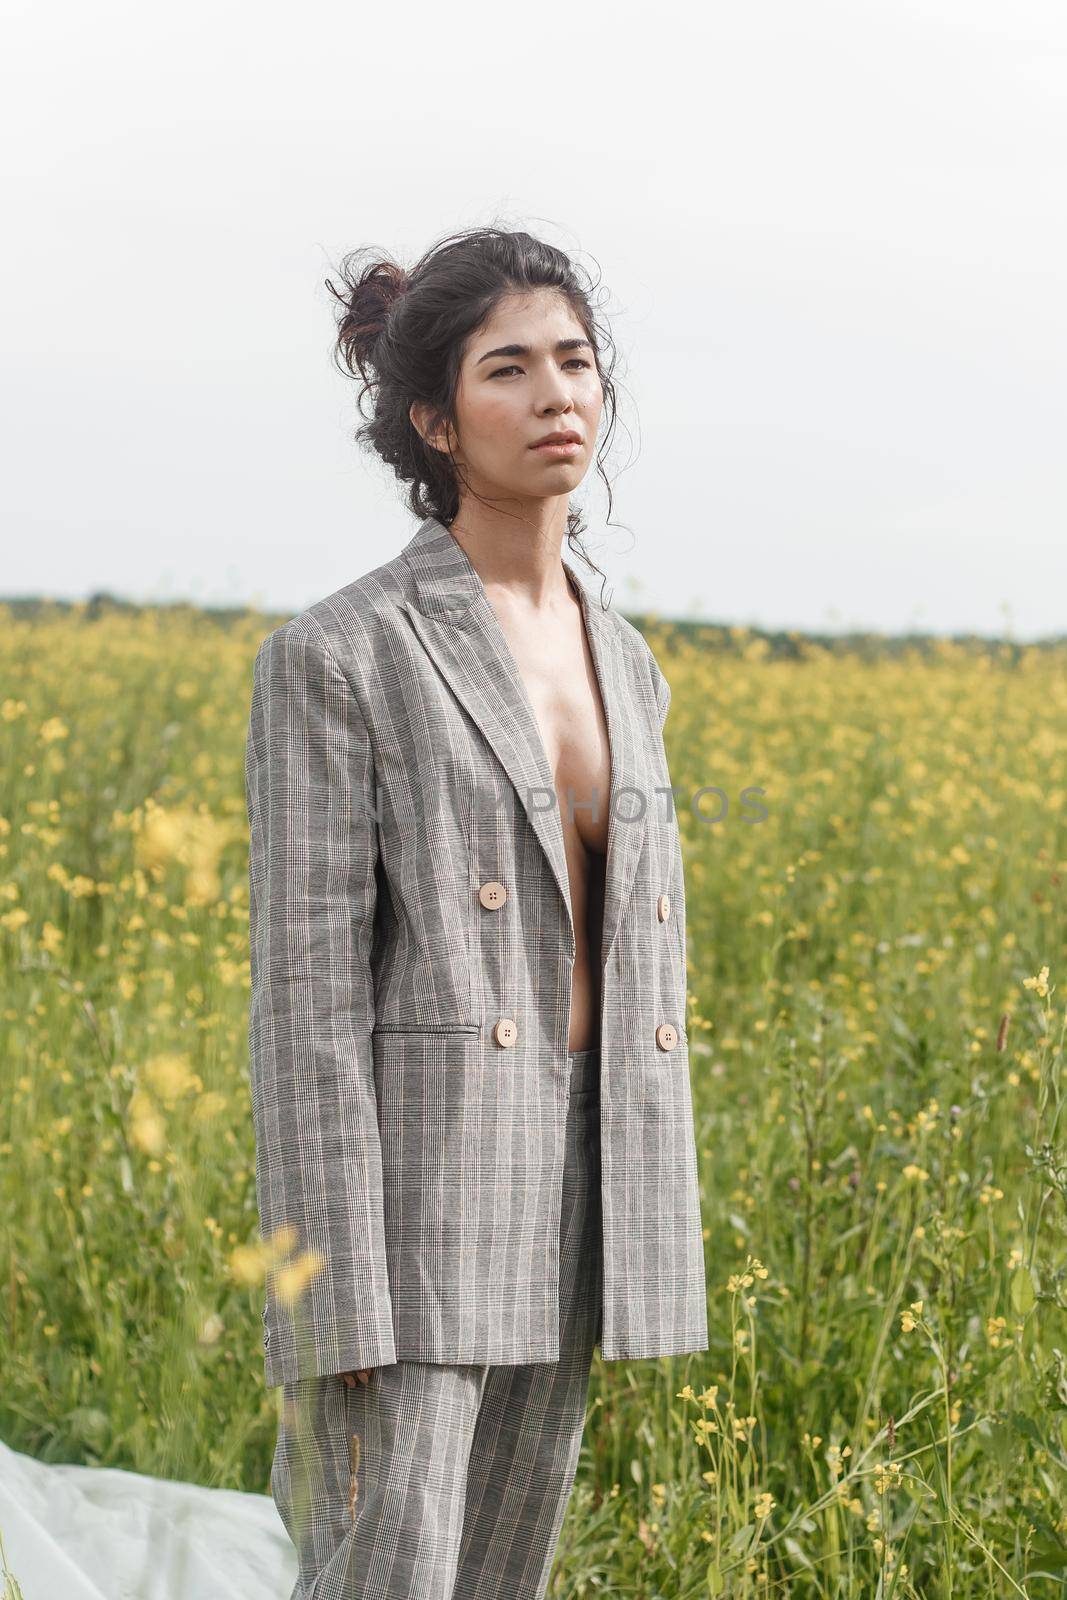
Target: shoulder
[
  {"x": 631, "y": 638},
  {"x": 643, "y": 658},
  {"x": 346, "y": 624},
  {"x": 633, "y": 641}
]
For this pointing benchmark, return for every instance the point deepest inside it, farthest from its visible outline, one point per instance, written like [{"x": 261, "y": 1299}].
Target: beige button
[
  {"x": 505, "y": 1032},
  {"x": 492, "y": 895},
  {"x": 663, "y": 907},
  {"x": 666, "y": 1036}
]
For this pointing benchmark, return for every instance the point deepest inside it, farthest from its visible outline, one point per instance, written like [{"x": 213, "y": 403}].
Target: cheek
[
  {"x": 592, "y": 402},
  {"x": 493, "y": 427}
]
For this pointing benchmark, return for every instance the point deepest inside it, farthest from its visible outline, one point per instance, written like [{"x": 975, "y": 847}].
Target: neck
[{"x": 517, "y": 557}]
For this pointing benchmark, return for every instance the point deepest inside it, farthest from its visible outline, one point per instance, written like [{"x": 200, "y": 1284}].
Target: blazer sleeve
[{"x": 312, "y": 853}]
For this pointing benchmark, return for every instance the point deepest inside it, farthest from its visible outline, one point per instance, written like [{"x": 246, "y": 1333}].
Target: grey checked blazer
[{"x": 394, "y": 768}]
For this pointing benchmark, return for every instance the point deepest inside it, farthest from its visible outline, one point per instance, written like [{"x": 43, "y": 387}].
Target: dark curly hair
[{"x": 404, "y": 333}]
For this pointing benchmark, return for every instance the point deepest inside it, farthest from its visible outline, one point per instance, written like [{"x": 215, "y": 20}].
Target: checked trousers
[{"x": 438, "y": 1482}]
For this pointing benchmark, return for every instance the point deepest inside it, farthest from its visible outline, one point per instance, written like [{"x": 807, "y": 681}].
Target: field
[{"x": 877, "y": 977}]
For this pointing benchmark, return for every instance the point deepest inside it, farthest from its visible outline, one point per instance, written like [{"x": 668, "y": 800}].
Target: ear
[{"x": 428, "y": 425}]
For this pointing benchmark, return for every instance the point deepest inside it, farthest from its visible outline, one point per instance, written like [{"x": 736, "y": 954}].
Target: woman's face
[{"x": 507, "y": 399}]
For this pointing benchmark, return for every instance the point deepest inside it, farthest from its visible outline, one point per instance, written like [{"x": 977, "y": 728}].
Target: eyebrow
[{"x": 524, "y": 349}]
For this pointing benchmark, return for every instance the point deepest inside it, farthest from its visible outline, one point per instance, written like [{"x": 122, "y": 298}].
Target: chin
[{"x": 574, "y": 468}]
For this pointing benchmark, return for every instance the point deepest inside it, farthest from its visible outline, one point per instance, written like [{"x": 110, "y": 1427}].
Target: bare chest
[{"x": 559, "y": 675}]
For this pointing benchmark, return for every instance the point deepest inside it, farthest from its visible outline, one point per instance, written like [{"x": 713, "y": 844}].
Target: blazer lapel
[{"x": 452, "y": 616}]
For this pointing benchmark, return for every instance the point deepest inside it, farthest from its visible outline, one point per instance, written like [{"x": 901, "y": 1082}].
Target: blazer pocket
[{"x": 424, "y": 1030}]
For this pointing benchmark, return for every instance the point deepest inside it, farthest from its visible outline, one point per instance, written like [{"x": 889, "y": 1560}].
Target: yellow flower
[
  {"x": 169, "y": 1075},
  {"x": 1040, "y": 983},
  {"x": 209, "y": 1106},
  {"x": 280, "y": 1243},
  {"x": 290, "y": 1281},
  {"x": 763, "y": 1507},
  {"x": 248, "y": 1263},
  {"x": 994, "y": 1331},
  {"x": 148, "y": 1131}
]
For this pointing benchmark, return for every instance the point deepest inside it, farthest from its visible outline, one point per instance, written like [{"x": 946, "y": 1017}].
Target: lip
[
  {"x": 558, "y": 448},
  {"x": 556, "y": 441}
]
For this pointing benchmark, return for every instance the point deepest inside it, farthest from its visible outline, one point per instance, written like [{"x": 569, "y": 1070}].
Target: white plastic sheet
[{"x": 96, "y": 1533}]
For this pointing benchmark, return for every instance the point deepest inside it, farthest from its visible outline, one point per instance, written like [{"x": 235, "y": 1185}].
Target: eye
[{"x": 574, "y": 361}]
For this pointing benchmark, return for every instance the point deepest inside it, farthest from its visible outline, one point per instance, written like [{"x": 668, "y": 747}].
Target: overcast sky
[{"x": 833, "y": 235}]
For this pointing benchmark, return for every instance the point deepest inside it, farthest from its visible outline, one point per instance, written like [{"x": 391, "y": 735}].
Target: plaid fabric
[
  {"x": 436, "y": 1480},
  {"x": 393, "y": 766}
]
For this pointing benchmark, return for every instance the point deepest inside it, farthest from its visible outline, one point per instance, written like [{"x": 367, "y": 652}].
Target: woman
[{"x": 470, "y": 1075}]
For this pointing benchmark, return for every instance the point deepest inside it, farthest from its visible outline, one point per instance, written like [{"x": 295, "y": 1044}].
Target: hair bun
[
  {"x": 364, "y": 300},
  {"x": 390, "y": 280}
]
